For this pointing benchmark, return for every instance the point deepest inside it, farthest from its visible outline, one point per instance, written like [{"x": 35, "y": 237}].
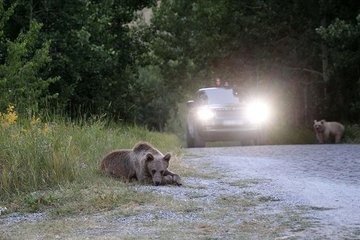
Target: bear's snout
[
  {"x": 318, "y": 128},
  {"x": 157, "y": 178}
]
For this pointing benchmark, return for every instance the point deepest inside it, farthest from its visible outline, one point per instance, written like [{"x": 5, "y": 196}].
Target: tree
[
  {"x": 342, "y": 38},
  {"x": 90, "y": 49},
  {"x": 21, "y": 80},
  {"x": 268, "y": 46}
]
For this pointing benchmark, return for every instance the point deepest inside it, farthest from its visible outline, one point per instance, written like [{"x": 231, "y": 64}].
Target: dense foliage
[{"x": 88, "y": 57}]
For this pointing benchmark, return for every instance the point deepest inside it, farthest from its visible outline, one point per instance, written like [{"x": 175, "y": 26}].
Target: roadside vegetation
[
  {"x": 352, "y": 133},
  {"x": 44, "y": 162},
  {"x": 111, "y": 57}
]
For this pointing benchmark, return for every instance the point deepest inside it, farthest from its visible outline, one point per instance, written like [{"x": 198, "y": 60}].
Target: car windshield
[{"x": 217, "y": 96}]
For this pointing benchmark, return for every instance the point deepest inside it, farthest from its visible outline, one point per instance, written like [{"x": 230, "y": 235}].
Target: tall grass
[
  {"x": 352, "y": 133},
  {"x": 35, "y": 155}
]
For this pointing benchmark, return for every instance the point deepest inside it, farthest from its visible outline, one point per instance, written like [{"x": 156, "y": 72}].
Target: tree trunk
[
  {"x": 30, "y": 12},
  {"x": 325, "y": 61}
]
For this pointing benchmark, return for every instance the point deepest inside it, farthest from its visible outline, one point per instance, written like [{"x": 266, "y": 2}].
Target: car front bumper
[{"x": 225, "y": 133}]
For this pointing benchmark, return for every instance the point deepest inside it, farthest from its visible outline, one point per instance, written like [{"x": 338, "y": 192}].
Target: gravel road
[{"x": 325, "y": 178}]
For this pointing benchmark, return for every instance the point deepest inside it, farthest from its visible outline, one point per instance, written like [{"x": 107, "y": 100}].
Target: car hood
[{"x": 226, "y": 106}]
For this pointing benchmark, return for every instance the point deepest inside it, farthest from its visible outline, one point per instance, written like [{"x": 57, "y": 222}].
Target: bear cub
[
  {"x": 324, "y": 130},
  {"x": 143, "y": 163}
]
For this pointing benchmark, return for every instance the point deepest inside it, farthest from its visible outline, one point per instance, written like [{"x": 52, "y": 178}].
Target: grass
[
  {"x": 246, "y": 183},
  {"x": 48, "y": 164}
]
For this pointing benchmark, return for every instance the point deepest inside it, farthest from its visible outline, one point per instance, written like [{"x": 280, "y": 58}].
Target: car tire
[
  {"x": 198, "y": 141},
  {"x": 190, "y": 142}
]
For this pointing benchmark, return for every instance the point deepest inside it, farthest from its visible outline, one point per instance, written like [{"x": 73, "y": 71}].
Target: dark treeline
[{"x": 88, "y": 57}]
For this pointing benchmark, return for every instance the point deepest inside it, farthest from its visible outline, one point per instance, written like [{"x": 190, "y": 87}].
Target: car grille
[
  {"x": 230, "y": 117},
  {"x": 229, "y": 112}
]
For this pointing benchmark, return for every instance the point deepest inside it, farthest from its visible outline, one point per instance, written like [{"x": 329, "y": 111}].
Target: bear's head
[
  {"x": 319, "y": 126},
  {"x": 157, "y": 164}
]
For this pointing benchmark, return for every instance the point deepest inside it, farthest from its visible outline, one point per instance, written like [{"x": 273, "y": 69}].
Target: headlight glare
[
  {"x": 205, "y": 114},
  {"x": 258, "y": 111}
]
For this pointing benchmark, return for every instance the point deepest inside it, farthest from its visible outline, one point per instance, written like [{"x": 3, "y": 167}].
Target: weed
[
  {"x": 34, "y": 201},
  {"x": 264, "y": 199},
  {"x": 237, "y": 201},
  {"x": 246, "y": 183},
  {"x": 9, "y": 118}
]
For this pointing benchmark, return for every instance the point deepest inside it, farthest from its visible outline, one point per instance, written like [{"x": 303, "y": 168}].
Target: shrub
[{"x": 352, "y": 133}]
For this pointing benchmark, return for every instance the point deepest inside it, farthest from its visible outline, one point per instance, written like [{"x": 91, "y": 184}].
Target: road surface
[{"x": 325, "y": 178}]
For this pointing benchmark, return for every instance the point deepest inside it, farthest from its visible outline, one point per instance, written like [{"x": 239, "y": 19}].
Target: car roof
[{"x": 213, "y": 88}]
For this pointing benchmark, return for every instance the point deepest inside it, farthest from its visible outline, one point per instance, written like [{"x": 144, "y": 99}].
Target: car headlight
[
  {"x": 205, "y": 114},
  {"x": 258, "y": 111}
]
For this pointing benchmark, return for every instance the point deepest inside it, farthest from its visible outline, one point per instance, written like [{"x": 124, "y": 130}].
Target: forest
[{"x": 136, "y": 61}]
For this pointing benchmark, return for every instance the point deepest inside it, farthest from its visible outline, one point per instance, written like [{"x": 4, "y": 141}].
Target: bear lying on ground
[
  {"x": 143, "y": 163},
  {"x": 324, "y": 130}
]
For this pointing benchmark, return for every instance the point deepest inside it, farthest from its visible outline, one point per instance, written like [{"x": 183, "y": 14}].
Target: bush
[
  {"x": 352, "y": 133},
  {"x": 21, "y": 74}
]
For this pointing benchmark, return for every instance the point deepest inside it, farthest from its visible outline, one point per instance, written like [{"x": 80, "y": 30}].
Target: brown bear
[
  {"x": 143, "y": 163},
  {"x": 324, "y": 130}
]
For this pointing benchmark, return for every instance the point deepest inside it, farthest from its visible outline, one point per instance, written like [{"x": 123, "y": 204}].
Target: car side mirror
[{"x": 190, "y": 103}]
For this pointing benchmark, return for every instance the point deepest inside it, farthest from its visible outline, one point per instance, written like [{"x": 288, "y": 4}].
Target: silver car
[{"x": 219, "y": 114}]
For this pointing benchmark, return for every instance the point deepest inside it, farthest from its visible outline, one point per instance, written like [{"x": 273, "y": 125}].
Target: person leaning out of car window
[{"x": 218, "y": 83}]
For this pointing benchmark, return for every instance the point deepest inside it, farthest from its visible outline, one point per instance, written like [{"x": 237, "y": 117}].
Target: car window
[
  {"x": 202, "y": 97},
  {"x": 217, "y": 96}
]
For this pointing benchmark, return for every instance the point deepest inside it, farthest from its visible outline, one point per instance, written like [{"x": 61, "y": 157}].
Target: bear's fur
[
  {"x": 143, "y": 163},
  {"x": 324, "y": 130}
]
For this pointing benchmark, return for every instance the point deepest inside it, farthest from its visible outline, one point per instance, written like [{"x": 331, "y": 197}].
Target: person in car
[{"x": 218, "y": 82}]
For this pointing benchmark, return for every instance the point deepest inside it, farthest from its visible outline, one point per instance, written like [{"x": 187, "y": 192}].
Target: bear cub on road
[
  {"x": 324, "y": 130},
  {"x": 143, "y": 163}
]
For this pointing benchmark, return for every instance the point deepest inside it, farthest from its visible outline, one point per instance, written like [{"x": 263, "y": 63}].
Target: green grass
[
  {"x": 246, "y": 183},
  {"x": 36, "y": 156}
]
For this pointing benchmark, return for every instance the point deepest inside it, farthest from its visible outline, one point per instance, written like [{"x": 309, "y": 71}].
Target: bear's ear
[
  {"x": 315, "y": 121},
  {"x": 149, "y": 157},
  {"x": 167, "y": 157},
  {"x": 323, "y": 121}
]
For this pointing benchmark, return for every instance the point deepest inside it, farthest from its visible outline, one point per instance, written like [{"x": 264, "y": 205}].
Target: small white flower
[{"x": 2, "y": 210}]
